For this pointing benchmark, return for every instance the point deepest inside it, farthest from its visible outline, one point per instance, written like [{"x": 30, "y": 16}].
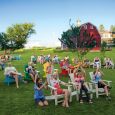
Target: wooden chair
[
  {"x": 57, "y": 97},
  {"x": 76, "y": 92},
  {"x": 64, "y": 71},
  {"x": 97, "y": 65},
  {"x": 9, "y": 79},
  {"x": 94, "y": 86}
]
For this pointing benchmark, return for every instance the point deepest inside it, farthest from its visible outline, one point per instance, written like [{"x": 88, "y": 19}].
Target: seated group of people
[
  {"x": 44, "y": 58},
  {"x": 108, "y": 63},
  {"x": 52, "y": 79},
  {"x": 11, "y": 71}
]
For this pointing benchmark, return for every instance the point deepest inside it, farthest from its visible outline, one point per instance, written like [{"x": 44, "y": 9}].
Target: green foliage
[
  {"x": 103, "y": 46},
  {"x": 69, "y": 38},
  {"x": 112, "y": 28},
  {"x": 85, "y": 41},
  {"x": 17, "y": 34},
  {"x": 3, "y": 41},
  {"x": 20, "y": 101},
  {"x": 114, "y": 42},
  {"x": 101, "y": 28},
  {"x": 103, "y": 49}
]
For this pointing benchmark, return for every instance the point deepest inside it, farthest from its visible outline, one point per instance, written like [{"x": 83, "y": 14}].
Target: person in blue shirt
[
  {"x": 38, "y": 93},
  {"x": 101, "y": 84}
]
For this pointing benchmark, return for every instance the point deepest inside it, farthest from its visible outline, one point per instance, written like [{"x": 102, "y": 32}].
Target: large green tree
[
  {"x": 101, "y": 28},
  {"x": 18, "y": 34},
  {"x": 112, "y": 28},
  {"x": 4, "y": 41},
  {"x": 70, "y": 37},
  {"x": 114, "y": 42}
]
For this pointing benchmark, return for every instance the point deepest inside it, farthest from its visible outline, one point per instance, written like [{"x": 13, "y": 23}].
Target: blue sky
[{"x": 51, "y": 17}]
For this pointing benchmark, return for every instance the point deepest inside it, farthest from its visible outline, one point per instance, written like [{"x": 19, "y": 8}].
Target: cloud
[{"x": 50, "y": 41}]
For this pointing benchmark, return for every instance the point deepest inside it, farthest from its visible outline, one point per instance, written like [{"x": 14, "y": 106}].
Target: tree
[
  {"x": 101, "y": 28},
  {"x": 3, "y": 41},
  {"x": 112, "y": 28},
  {"x": 114, "y": 42},
  {"x": 17, "y": 35},
  {"x": 70, "y": 37}
]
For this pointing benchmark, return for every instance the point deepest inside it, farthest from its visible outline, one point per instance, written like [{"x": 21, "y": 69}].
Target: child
[
  {"x": 56, "y": 83},
  {"x": 81, "y": 85},
  {"x": 38, "y": 93},
  {"x": 78, "y": 77}
]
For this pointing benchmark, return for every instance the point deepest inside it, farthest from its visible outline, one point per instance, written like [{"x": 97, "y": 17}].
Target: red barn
[{"x": 89, "y": 35}]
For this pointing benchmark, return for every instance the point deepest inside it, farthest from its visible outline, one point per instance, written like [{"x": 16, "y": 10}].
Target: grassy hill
[{"x": 20, "y": 101}]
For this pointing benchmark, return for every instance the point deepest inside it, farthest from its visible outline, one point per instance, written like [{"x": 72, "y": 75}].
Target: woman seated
[
  {"x": 54, "y": 81},
  {"x": 64, "y": 67},
  {"x": 109, "y": 63},
  {"x": 31, "y": 71},
  {"x": 97, "y": 62},
  {"x": 81, "y": 85},
  {"x": 86, "y": 62},
  {"x": 40, "y": 59},
  {"x": 55, "y": 59},
  {"x": 34, "y": 59},
  {"x": 75, "y": 61},
  {"x": 101, "y": 84},
  {"x": 38, "y": 93},
  {"x": 2, "y": 64},
  {"x": 49, "y": 71},
  {"x": 12, "y": 72}
]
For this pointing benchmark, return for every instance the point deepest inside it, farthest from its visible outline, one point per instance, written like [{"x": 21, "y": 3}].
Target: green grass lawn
[{"x": 20, "y": 101}]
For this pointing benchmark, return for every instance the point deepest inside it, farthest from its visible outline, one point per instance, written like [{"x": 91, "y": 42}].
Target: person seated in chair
[
  {"x": 32, "y": 71},
  {"x": 109, "y": 63},
  {"x": 55, "y": 59},
  {"x": 2, "y": 64},
  {"x": 49, "y": 71},
  {"x": 38, "y": 93},
  {"x": 86, "y": 62},
  {"x": 34, "y": 59},
  {"x": 12, "y": 72},
  {"x": 101, "y": 84},
  {"x": 54, "y": 81},
  {"x": 97, "y": 62},
  {"x": 81, "y": 85}
]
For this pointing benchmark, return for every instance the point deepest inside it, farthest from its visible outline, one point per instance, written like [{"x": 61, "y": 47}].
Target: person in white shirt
[{"x": 11, "y": 71}]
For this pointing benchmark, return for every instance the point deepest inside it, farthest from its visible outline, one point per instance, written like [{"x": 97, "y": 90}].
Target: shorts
[
  {"x": 60, "y": 91},
  {"x": 100, "y": 85},
  {"x": 39, "y": 99}
]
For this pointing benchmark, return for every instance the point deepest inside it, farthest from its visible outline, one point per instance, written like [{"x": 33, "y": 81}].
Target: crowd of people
[{"x": 52, "y": 76}]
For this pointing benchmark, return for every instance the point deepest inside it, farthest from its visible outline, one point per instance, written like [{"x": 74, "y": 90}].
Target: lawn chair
[
  {"x": 57, "y": 97},
  {"x": 9, "y": 79},
  {"x": 97, "y": 64},
  {"x": 76, "y": 92},
  {"x": 27, "y": 77},
  {"x": 94, "y": 86},
  {"x": 64, "y": 71}
]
